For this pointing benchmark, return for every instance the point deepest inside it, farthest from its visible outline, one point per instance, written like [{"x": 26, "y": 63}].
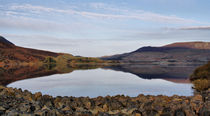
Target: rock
[
  {"x": 18, "y": 96},
  {"x": 205, "y": 111},
  {"x": 10, "y": 91},
  {"x": 1, "y": 87},
  {"x": 115, "y": 105},
  {"x": 1, "y": 112},
  {"x": 45, "y": 108},
  {"x": 24, "y": 108},
  {"x": 166, "y": 112},
  {"x": 197, "y": 98},
  {"x": 105, "y": 107},
  {"x": 136, "y": 113},
  {"x": 13, "y": 113},
  {"x": 14, "y": 102},
  {"x": 85, "y": 113},
  {"x": 179, "y": 112},
  {"x": 32, "y": 108},
  {"x": 151, "y": 113},
  {"x": 39, "y": 113},
  {"x": 103, "y": 114},
  {"x": 2, "y": 108},
  {"x": 98, "y": 109},
  {"x": 28, "y": 97},
  {"x": 67, "y": 108},
  {"x": 59, "y": 105},
  {"x": 37, "y": 95}
]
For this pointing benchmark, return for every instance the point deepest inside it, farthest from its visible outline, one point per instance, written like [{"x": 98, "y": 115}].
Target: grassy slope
[
  {"x": 194, "y": 45},
  {"x": 25, "y": 56},
  {"x": 201, "y": 77}
]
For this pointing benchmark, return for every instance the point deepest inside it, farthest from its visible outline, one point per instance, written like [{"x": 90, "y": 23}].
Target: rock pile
[{"x": 17, "y": 102}]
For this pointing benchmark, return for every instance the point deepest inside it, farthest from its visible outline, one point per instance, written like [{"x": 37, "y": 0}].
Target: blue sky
[{"x": 103, "y": 27}]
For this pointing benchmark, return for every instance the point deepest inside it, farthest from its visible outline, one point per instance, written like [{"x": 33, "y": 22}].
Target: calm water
[{"x": 101, "y": 82}]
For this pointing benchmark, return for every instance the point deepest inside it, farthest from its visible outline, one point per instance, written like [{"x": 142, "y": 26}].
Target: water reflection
[
  {"x": 100, "y": 80},
  {"x": 12, "y": 74}
]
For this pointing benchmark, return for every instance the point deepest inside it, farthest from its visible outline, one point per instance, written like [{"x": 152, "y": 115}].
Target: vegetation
[
  {"x": 49, "y": 60},
  {"x": 201, "y": 77},
  {"x": 201, "y": 84},
  {"x": 202, "y": 72}
]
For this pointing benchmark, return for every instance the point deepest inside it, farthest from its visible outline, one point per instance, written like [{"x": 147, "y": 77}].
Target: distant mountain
[
  {"x": 5, "y": 43},
  {"x": 177, "y": 53},
  {"x": 193, "y": 45},
  {"x": 11, "y": 54}
]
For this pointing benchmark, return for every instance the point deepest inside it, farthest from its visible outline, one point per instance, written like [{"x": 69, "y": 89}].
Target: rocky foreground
[{"x": 17, "y": 102}]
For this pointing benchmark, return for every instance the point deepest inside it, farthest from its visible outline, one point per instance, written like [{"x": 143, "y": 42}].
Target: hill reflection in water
[{"x": 108, "y": 80}]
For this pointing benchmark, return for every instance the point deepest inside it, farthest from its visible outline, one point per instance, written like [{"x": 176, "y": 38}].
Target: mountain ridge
[
  {"x": 10, "y": 54},
  {"x": 193, "y": 45},
  {"x": 176, "y": 53},
  {"x": 4, "y": 43}
]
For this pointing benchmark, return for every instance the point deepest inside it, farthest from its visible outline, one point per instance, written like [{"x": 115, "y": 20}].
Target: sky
[{"x": 103, "y": 27}]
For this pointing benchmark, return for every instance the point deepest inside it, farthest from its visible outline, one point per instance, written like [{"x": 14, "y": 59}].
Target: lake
[{"x": 110, "y": 81}]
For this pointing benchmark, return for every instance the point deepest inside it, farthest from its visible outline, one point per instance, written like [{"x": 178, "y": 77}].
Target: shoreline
[{"x": 17, "y": 102}]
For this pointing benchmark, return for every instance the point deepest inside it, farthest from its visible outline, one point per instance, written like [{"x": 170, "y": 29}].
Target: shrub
[
  {"x": 201, "y": 84},
  {"x": 202, "y": 72}
]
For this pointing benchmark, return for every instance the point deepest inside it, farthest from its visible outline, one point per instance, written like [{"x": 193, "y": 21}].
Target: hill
[
  {"x": 5, "y": 43},
  {"x": 193, "y": 45},
  {"x": 10, "y": 54},
  {"x": 169, "y": 54}
]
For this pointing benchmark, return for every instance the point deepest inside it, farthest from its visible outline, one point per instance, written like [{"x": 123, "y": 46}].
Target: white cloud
[
  {"x": 196, "y": 28},
  {"x": 119, "y": 13},
  {"x": 30, "y": 23},
  {"x": 14, "y": 21},
  {"x": 98, "y": 5}
]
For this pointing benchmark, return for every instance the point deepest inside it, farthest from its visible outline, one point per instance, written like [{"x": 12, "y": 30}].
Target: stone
[
  {"x": 18, "y": 96},
  {"x": 2, "y": 108},
  {"x": 136, "y": 113},
  {"x": 10, "y": 91},
  {"x": 1, "y": 87},
  {"x": 13, "y": 113},
  {"x": 151, "y": 113},
  {"x": 32, "y": 108},
  {"x": 37, "y": 95},
  {"x": 105, "y": 107},
  {"x": 45, "y": 108},
  {"x": 179, "y": 112},
  {"x": 14, "y": 102},
  {"x": 28, "y": 97},
  {"x": 197, "y": 98},
  {"x": 67, "y": 108},
  {"x": 39, "y": 113}
]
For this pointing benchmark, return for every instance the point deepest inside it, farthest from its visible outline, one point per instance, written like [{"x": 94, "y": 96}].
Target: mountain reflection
[
  {"x": 12, "y": 74},
  {"x": 177, "y": 74}
]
